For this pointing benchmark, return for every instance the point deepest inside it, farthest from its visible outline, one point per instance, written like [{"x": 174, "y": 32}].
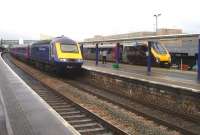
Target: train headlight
[
  {"x": 170, "y": 59},
  {"x": 63, "y": 60},
  {"x": 79, "y": 60},
  {"x": 158, "y": 60}
]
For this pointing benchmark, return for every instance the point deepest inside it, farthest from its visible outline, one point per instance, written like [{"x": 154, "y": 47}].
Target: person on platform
[{"x": 104, "y": 55}]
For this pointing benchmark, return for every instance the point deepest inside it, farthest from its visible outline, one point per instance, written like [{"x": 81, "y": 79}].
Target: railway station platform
[
  {"x": 169, "y": 77},
  {"x": 23, "y": 112},
  {"x": 177, "y": 92}
]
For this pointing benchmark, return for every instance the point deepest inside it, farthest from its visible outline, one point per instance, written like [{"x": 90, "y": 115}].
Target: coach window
[
  {"x": 109, "y": 50},
  {"x": 92, "y": 50}
]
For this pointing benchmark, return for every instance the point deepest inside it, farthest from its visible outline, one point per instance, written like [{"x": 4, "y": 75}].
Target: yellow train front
[
  {"x": 160, "y": 54},
  {"x": 59, "y": 53},
  {"x": 136, "y": 53}
]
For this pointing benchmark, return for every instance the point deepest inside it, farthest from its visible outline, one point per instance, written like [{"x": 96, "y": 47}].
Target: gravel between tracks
[{"x": 128, "y": 121}]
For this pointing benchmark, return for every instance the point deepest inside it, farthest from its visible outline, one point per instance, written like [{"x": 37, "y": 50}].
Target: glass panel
[
  {"x": 159, "y": 48},
  {"x": 69, "y": 48}
]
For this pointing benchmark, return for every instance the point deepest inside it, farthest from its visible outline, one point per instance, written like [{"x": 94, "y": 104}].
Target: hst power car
[{"x": 59, "y": 53}]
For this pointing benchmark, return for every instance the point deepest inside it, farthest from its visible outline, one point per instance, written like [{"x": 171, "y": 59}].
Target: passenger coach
[
  {"x": 131, "y": 53},
  {"x": 58, "y": 54}
]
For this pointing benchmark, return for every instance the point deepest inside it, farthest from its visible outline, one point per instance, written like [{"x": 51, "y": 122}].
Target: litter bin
[{"x": 115, "y": 66}]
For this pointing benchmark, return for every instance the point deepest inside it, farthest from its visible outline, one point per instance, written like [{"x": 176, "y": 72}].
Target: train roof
[
  {"x": 62, "y": 39},
  {"x": 107, "y": 45},
  {"x": 100, "y": 46},
  {"x": 149, "y": 38},
  {"x": 42, "y": 42},
  {"x": 19, "y": 45}
]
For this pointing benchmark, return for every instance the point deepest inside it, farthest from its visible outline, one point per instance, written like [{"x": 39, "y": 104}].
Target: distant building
[
  {"x": 136, "y": 34},
  {"x": 168, "y": 31},
  {"x": 16, "y": 42},
  {"x": 187, "y": 44},
  {"x": 45, "y": 37}
]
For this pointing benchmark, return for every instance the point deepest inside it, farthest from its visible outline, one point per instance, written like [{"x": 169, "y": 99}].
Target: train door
[
  {"x": 120, "y": 52},
  {"x": 114, "y": 50}
]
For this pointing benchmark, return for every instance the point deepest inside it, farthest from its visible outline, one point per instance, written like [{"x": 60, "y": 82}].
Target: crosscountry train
[
  {"x": 58, "y": 53},
  {"x": 131, "y": 53}
]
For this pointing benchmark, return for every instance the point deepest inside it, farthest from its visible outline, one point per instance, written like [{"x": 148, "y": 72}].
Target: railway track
[
  {"x": 186, "y": 126},
  {"x": 81, "y": 119},
  {"x": 84, "y": 121},
  {"x": 162, "y": 117}
]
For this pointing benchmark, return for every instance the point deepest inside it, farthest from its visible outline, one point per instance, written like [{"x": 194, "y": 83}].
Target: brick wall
[{"x": 171, "y": 99}]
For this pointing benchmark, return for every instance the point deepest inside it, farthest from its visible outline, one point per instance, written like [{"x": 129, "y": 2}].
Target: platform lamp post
[
  {"x": 156, "y": 16},
  {"x": 149, "y": 58},
  {"x": 198, "y": 68},
  {"x": 97, "y": 54}
]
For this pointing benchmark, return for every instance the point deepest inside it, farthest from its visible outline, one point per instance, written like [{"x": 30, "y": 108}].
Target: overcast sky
[{"x": 81, "y": 19}]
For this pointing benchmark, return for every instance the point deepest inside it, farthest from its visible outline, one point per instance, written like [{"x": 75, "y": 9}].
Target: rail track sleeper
[
  {"x": 42, "y": 92},
  {"x": 45, "y": 98},
  {"x": 92, "y": 131},
  {"x": 54, "y": 101},
  {"x": 88, "y": 125},
  {"x": 67, "y": 113},
  {"x": 52, "y": 98},
  {"x": 47, "y": 94},
  {"x": 74, "y": 116},
  {"x": 73, "y": 122},
  {"x": 65, "y": 109},
  {"x": 61, "y": 106},
  {"x": 107, "y": 134},
  {"x": 72, "y": 113}
]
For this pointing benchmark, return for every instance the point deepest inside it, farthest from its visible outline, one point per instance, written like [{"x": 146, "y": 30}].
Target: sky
[{"x": 79, "y": 19}]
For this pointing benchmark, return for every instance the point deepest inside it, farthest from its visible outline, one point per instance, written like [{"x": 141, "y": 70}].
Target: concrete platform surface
[
  {"x": 169, "y": 77},
  {"x": 24, "y": 112}
]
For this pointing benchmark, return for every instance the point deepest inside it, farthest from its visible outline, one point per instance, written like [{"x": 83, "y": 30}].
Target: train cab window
[
  {"x": 69, "y": 48},
  {"x": 159, "y": 48}
]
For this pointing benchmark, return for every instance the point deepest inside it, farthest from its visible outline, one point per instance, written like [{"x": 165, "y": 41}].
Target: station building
[
  {"x": 183, "y": 47},
  {"x": 185, "y": 44}
]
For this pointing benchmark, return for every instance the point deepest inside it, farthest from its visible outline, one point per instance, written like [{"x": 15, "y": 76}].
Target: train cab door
[
  {"x": 120, "y": 52},
  {"x": 52, "y": 52}
]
